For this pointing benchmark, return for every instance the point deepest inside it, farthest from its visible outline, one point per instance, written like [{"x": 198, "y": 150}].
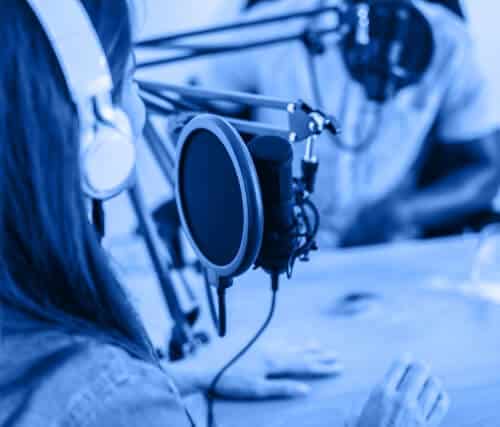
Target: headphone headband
[
  {"x": 107, "y": 152},
  {"x": 77, "y": 47}
]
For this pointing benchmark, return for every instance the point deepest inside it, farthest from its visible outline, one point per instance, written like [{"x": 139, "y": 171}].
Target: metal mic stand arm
[
  {"x": 167, "y": 40},
  {"x": 345, "y": 11},
  {"x": 196, "y": 53},
  {"x": 163, "y": 151},
  {"x": 304, "y": 121},
  {"x": 345, "y": 14},
  {"x": 182, "y": 341}
]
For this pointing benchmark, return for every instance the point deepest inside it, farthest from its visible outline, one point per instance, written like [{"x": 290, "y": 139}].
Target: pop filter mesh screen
[{"x": 211, "y": 197}]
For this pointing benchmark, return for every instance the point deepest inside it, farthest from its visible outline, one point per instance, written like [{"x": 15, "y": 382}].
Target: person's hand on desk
[
  {"x": 407, "y": 397},
  {"x": 270, "y": 375}
]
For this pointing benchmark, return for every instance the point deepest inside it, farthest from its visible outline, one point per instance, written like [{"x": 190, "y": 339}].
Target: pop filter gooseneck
[{"x": 219, "y": 201}]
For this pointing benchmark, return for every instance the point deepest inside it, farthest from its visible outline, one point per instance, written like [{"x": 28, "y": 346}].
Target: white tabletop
[{"x": 419, "y": 308}]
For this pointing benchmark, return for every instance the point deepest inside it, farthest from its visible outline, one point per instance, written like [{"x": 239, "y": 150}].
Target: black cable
[
  {"x": 316, "y": 214},
  {"x": 212, "y": 393},
  {"x": 309, "y": 235}
]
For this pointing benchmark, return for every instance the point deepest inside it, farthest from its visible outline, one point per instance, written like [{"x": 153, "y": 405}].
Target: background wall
[
  {"x": 170, "y": 16},
  {"x": 173, "y": 15},
  {"x": 485, "y": 26}
]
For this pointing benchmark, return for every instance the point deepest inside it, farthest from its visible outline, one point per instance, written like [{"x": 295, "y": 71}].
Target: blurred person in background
[
  {"x": 431, "y": 167},
  {"x": 73, "y": 351}
]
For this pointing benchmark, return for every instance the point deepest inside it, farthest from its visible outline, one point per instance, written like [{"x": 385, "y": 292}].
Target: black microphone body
[{"x": 273, "y": 158}]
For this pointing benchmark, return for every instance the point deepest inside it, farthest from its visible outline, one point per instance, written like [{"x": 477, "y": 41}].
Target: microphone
[
  {"x": 456, "y": 6},
  {"x": 219, "y": 203},
  {"x": 240, "y": 206},
  {"x": 390, "y": 47},
  {"x": 272, "y": 157}
]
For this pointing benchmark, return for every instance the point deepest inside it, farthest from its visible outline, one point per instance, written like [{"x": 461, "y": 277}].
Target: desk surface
[{"x": 456, "y": 333}]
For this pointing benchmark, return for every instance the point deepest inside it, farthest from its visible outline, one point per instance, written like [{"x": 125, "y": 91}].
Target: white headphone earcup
[{"x": 108, "y": 158}]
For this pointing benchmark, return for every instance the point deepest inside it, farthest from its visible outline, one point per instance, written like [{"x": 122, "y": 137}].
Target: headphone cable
[
  {"x": 98, "y": 219},
  {"x": 211, "y": 393}
]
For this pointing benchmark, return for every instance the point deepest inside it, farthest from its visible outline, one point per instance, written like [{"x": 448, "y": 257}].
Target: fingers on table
[
  {"x": 324, "y": 363},
  {"x": 426, "y": 391},
  {"x": 269, "y": 389},
  {"x": 440, "y": 409},
  {"x": 307, "y": 370},
  {"x": 414, "y": 383},
  {"x": 324, "y": 357},
  {"x": 306, "y": 364},
  {"x": 395, "y": 375},
  {"x": 430, "y": 395},
  {"x": 322, "y": 369}
]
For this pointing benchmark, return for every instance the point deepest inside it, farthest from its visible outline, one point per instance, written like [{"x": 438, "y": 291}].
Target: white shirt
[{"x": 452, "y": 91}]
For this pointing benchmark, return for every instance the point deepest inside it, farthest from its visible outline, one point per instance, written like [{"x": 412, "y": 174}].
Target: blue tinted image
[{"x": 244, "y": 213}]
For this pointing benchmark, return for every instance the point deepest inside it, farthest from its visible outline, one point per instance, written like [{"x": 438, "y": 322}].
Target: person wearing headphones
[
  {"x": 73, "y": 351},
  {"x": 421, "y": 163}
]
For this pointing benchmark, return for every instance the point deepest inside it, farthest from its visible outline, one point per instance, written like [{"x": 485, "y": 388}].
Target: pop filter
[{"x": 218, "y": 196}]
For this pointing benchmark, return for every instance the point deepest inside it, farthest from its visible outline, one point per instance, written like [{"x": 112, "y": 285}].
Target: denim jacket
[{"x": 49, "y": 378}]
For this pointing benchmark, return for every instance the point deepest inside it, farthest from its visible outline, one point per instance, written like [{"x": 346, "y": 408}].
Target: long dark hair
[{"x": 51, "y": 264}]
